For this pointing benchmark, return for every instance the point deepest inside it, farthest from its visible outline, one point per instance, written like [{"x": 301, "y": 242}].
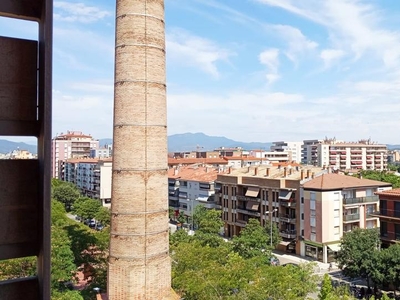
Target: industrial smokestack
[{"x": 139, "y": 264}]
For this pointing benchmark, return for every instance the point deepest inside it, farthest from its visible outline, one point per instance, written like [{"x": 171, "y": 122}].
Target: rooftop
[
  {"x": 190, "y": 161},
  {"x": 195, "y": 173},
  {"x": 394, "y": 192},
  {"x": 336, "y": 181}
]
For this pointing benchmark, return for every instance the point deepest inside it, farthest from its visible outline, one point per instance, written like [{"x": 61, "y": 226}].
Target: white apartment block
[
  {"x": 270, "y": 156},
  {"x": 73, "y": 144},
  {"x": 339, "y": 155},
  {"x": 293, "y": 148},
  {"x": 102, "y": 152},
  {"x": 91, "y": 176}
]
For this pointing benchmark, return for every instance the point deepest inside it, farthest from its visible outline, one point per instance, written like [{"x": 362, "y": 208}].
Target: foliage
[
  {"x": 390, "y": 265},
  {"x": 66, "y": 295},
  {"x": 181, "y": 217},
  {"x": 357, "y": 255},
  {"x": 253, "y": 241},
  {"x": 17, "y": 267},
  {"x": 87, "y": 208},
  {"x": 384, "y": 176},
  {"x": 203, "y": 272},
  {"x": 208, "y": 220},
  {"x": 62, "y": 258},
  {"x": 65, "y": 192},
  {"x": 103, "y": 215},
  {"x": 326, "y": 288},
  {"x": 199, "y": 214},
  {"x": 276, "y": 238}
]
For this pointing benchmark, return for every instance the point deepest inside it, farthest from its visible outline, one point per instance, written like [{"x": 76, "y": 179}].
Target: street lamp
[{"x": 272, "y": 215}]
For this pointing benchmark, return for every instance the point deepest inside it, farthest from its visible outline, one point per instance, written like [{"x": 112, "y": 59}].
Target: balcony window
[
  {"x": 383, "y": 207},
  {"x": 384, "y": 232},
  {"x": 397, "y": 209}
]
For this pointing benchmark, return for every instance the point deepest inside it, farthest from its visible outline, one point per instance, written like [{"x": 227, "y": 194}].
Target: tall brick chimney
[{"x": 139, "y": 265}]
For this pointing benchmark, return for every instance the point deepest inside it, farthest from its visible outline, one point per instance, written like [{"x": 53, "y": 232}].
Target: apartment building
[
  {"x": 73, "y": 144},
  {"x": 190, "y": 186},
  {"x": 292, "y": 148},
  {"x": 332, "y": 205},
  {"x": 178, "y": 162},
  {"x": 91, "y": 176},
  {"x": 101, "y": 152},
  {"x": 268, "y": 194},
  {"x": 389, "y": 216},
  {"x": 271, "y": 156},
  {"x": 364, "y": 154}
]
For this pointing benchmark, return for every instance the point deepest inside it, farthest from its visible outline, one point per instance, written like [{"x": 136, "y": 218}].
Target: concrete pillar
[
  {"x": 139, "y": 264},
  {"x": 325, "y": 254}
]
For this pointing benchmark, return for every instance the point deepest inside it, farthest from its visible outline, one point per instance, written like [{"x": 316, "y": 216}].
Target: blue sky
[{"x": 250, "y": 70}]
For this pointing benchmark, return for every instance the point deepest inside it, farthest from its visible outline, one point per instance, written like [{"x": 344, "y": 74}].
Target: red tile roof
[
  {"x": 337, "y": 182},
  {"x": 394, "y": 192},
  {"x": 191, "y": 161},
  {"x": 195, "y": 173}
]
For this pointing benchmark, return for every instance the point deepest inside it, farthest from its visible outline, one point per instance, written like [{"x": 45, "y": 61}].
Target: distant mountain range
[{"x": 176, "y": 142}]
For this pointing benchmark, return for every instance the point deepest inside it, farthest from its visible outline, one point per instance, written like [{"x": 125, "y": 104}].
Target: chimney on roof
[
  {"x": 279, "y": 167},
  {"x": 290, "y": 171},
  {"x": 229, "y": 170},
  {"x": 308, "y": 173},
  {"x": 255, "y": 171},
  {"x": 297, "y": 168},
  {"x": 248, "y": 169},
  {"x": 267, "y": 172},
  {"x": 312, "y": 175},
  {"x": 207, "y": 170},
  {"x": 284, "y": 172},
  {"x": 176, "y": 171},
  {"x": 302, "y": 175}
]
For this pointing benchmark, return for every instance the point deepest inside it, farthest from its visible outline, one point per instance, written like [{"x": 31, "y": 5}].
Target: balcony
[
  {"x": 351, "y": 218},
  {"x": 244, "y": 198},
  {"x": 248, "y": 212},
  {"x": 387, "y": 214},
  {"x": 288, "y": 234},
  {"x": 287, "y": 218},
  {"x": 288, "y": 203},
  {"x": 241, "y": 223},
  {"x": 390, "y": 236},
  {"x": 372, "y": 214},
  {"x": 350, "y": 201}
]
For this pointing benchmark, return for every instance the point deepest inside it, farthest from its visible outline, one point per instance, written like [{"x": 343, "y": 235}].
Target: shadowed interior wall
[{"x": 25, "y": 102}]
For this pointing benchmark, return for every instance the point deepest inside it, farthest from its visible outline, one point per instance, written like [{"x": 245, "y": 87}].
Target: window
[
  {"x": 336, "y": 213},
  {"x": 384, "y": 229},
  {"x": 336, "y": 230},
  {"x": 397, "y": 209},
  {"x": 302, "y": 216},
  {"x": 302, "y": 200},
  {"x": 383, "y": 207},
  {"x": 312, "y": 213},
  {"x": 397, "y": 231},
  {"x": 312, "y": 221},
  {"x": 302, "y": 232},
  {"x": 312, "y": 196}
]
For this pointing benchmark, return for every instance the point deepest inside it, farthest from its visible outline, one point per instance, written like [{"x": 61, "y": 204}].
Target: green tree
[
  {"x": 181, "y": 217},
  {"x": 87, "y": 208},
  {"x": 209, "y": 221},
  {"x": 326, "y": 288},
  {"x": 253, "y": 241},
  {"x": 103, "y": 216},
  {"x": 357, "y": 255},
  {"x": 384, "y": 176},
  {"x": 66, "y": 295},
  {"x": 66, "y": 193},
  {"x": 17, "y": 268},
  {"x": 390, "y": 260},
  {"x": 199, "y": 214}
]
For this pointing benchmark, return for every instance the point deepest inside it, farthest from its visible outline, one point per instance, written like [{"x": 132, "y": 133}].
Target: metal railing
[
  {"x": 353, "y": 217},
  {"x": 347, "y": 201}
]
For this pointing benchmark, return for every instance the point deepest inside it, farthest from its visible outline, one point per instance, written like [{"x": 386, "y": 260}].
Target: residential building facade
[
  {"x": 91, "y": 176},
  {"x": 73, "y": 144},
  {"x": 293, "y": 148},
  {"x": 190, "y": 186},
  {"x": 389, "y": 216},
  {"x": 101, "y": 152},
  {"x": 270, "y": 194},
  {"x": 361, "y": 155},
  {"x": 332, "y": 205}
]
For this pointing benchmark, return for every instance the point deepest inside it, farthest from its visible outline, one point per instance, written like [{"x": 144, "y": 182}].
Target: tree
[
  {"x": 253, "y": 241},
  {"x": 66, "y": 193},
  {"x": 276, "y": 238},
  {"x": 181, "y": 217},
  {"x": 357, "y": 255},
  {"x": 87, "y": 208},
  {"x": 326, "y": 288},
  {"x": 103, "y": 216},
  {"x": 199, "y": 214},
  {"x": 209, "y": 220},
  {"x": 384, "y": 176},
  {"x": 390, "y": 264}
]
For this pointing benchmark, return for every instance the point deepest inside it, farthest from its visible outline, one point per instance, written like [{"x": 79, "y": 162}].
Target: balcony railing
[
  {"x": 387, "y": 213},
  {"x": 348, "y": 201},
  {"x": 248, "y": 212},
  {"x": 390, "y": 235},
  {"x": 289, "y": 234},
  {"x": 244, "y": 198},
  {"x": 288, "y": 203},
  {"x": 353, "y": 217},
  {"x": 287, "y": 218}
]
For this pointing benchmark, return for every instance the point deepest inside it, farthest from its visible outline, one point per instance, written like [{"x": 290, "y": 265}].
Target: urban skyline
[{"x": 278, "y": 68}]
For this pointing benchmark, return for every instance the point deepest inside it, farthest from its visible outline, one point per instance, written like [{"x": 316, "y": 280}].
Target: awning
[
  {"x": 284, "y": 243},
  {"x": 252, "y": 205},
  {"x": 252, "y": 191},
  {"x": 334, "y": 247},
  {"x": 285, "y": 195}
]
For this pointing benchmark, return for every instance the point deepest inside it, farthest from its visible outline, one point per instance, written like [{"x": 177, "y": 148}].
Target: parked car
[
  {"x": 99, "y": 227},
  {"x": 274, "y": 261}
]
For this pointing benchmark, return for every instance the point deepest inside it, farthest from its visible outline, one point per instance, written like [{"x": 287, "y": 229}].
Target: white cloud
[
  {"x": 329, "y": 56},
  {"x": 298, "y": 43},
  {"x": 353, "y": 26},
  {"x": 78, "y": 12},
  {"x": 191, "y": 50},
  {"x": 270, "y": 58}
]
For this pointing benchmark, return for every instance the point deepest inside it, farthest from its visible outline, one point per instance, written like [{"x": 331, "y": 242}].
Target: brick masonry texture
[{"x": 139, "y": 263}]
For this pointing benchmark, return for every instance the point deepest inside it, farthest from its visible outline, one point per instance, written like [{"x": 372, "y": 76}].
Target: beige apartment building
[
  {"x": 340, "y": 155},
  {"x": 268, "y": 194},
  {"x": 332, "y": 205}
]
